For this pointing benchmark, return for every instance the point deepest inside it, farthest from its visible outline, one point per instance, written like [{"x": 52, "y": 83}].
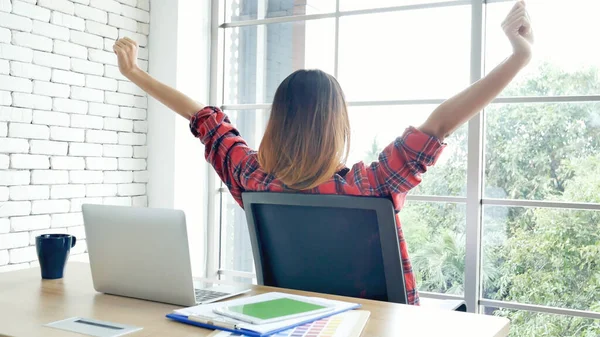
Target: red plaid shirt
[{"x": 398, "y": 170}]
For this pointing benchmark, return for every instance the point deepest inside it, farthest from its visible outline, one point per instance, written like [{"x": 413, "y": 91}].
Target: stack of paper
[
  {"x": 347, "y": 324},
  {"x": 203, "y": 315}
]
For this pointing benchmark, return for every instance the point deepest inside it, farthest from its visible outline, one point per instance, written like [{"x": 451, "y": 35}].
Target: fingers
[
  {"x": 126, "y": 43},
  {"x": 517, "y": 9},
  {"x": 119, "y": 47},
  {"x": 511, "y": 21},
  {"x": 130, "y": 41},
  {"x": 518, "y": 22},
  {"x": 519, "y": 12}
]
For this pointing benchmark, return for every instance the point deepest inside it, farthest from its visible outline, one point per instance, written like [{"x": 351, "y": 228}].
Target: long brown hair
[{"x": 308, "y": 134}]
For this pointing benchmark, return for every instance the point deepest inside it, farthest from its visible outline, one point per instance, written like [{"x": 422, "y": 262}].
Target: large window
[{"x": 509, "y": 218}]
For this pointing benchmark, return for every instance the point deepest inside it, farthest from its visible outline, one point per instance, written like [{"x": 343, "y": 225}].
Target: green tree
[
  {"x": 545, "y": 151},
  {"x": 556, "y": 262}
]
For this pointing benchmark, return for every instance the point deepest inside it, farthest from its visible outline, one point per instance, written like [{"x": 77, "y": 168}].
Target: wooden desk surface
[{"x": 27, "y": 302}]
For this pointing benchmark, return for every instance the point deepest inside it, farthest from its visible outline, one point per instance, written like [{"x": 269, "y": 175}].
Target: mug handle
[{"x": 73, "y": 242}]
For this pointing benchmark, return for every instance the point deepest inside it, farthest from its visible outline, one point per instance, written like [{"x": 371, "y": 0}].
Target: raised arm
[
  {"x": 459, "y": 109},
  {"x": 126, "y": 50}
]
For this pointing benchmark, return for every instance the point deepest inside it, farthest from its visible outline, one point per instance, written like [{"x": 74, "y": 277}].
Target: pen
[{"x": 211, "y": 321}]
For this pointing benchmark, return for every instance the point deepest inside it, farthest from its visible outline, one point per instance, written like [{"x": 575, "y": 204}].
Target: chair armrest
[{"x": 451, "y": 305}]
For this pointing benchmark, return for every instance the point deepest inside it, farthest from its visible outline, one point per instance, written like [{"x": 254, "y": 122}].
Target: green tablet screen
[{"x": 275, "y": 308}]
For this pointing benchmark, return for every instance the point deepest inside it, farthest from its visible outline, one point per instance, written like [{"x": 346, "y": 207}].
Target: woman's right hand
[{"x": 126, "y": 50}]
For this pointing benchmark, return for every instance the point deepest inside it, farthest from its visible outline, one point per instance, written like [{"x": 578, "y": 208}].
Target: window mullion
[
  {"x": 212, "y": 240},
  {"x": 474, "y": 169},
  {"x": 336, "y": 51}
]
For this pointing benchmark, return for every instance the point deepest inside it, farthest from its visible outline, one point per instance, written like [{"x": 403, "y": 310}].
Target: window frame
[{"x": 474, "y": 199}]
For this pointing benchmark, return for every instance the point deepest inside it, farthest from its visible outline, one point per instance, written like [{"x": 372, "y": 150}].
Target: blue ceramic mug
[{"x": 53, "y": 252}]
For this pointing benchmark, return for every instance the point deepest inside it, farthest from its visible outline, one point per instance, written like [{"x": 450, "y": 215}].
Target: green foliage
[{"x": 544, "y": 151}]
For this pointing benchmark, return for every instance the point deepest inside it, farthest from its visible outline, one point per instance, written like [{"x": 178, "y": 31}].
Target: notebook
[{"x": 204, "y": 315}]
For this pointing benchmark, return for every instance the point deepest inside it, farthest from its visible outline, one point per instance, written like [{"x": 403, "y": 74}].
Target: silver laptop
[{"x": 143, "y": 253}]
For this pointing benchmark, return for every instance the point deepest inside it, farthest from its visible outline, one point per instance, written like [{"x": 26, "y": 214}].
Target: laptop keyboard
[{"x": 203, "y": 295}]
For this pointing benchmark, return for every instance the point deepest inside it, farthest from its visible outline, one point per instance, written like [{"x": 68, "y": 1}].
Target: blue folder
[{"x": 246, "y": 332}]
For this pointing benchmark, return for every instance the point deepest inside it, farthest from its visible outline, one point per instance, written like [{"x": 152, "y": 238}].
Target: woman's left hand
[{"x": 517, "y": 27}]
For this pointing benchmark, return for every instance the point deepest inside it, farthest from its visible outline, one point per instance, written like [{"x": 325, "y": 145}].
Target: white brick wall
[
  {"x": 72, "y": 128},
  {"x": 55, "y": 118},
  {"x": 131, "y": 189},
  {"x": 97, "y": 28},
  {"x": 122, "y": 22},
  {"x": 51, "y": 31},
  {"x": 66, "y": 134},
  {"x": 50, "y": 206},
  {"x": 119, "y": 151},
  {"x": 31, "y": 101},
  {"x": 132, "y": 138},
  {"x": 28, "y": 70},
  {"x": 28, "y": 223},
  {"x": 140, "y": 201},
  {"x": 91, "y": 13},
  {"x": 118, "y": 124},
  {"x": 15, "y": 84},
  {"x": 13, "y": 178},
  {"x": 107, "y": 5},
  {"x": 101, "y": 137},
  {"x": 29, "y": 192},
  {"x": 29, "y": 161},
  {"x": 87, "y": 122},
  {"x": 30, "y": 11},
  {"x": 68, "y": 21},
  {"x": 87, "y": 39},
  {"x": 15, "y": 22},
  {"x": 48, "y": 147},
  {"x": 87, "y": 94},
  {"x": 70, "y": 105},
  {"x": 10, "y": 114},
  {"x": 49, "y": 177},
  {"x": 66, "y": 220},
  {"x": 118, "y": 177},
  {"x": 32, "y": 41},
  {"x": 85, "y": 149},
  {"x": 68, "y": 77},
  {"x": 102, "y": 83},
  {"x": 101, "y": 190},
  {"x": 70, "y": 49},
  {"x": 105, "y": 164},
  {"x": 67, "y": 191},
  {"x": 87, "y": 67},
  {"x": 20, "y": 130},
  {"x": 51, "y": 60},
  {"x": 51, "y": 89},
  {"x": 86, "y": 177}
]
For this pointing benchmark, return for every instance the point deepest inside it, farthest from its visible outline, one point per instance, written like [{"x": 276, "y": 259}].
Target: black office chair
[{"x": 333, "y": 244}]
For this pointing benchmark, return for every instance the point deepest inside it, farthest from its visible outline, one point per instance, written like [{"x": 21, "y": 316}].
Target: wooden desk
[{"x": 27, "y": 302}]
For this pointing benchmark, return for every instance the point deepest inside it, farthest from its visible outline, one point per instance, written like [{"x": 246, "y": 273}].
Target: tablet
[{"x": 274, "y": 310}]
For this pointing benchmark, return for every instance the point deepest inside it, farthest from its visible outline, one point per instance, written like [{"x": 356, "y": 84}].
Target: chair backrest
[{"x": 333, "y": 244}]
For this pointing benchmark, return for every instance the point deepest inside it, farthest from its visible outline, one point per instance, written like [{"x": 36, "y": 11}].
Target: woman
[{"x": 307, "y": 137}]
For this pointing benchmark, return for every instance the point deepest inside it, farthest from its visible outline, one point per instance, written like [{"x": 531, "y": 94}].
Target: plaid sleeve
[
  {"x": 225, "y": 149},
  {"x": 402, "y": 162}
]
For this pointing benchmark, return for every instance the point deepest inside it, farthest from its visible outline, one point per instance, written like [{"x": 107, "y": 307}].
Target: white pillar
[{"x": 179, "y": 44}]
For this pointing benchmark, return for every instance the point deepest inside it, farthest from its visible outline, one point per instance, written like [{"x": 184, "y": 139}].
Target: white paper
[
  {"x": 206, "y": 310},
  {"x": 93, "y": 327}
]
